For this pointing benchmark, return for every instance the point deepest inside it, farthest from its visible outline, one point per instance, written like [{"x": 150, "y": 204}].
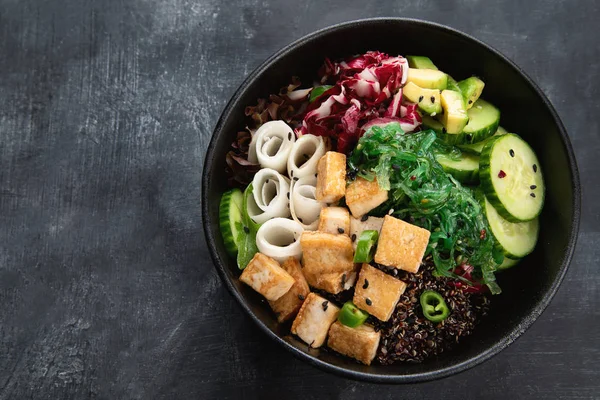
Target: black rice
[{"x": 409, "y": 336}]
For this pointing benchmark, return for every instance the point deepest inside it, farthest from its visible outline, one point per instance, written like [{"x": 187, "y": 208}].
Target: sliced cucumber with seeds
[
  {"x": 464, "y": 170},
  {"x": 511, "y": 178},
  {"x": 516, "y": 240},
  {"x": 476, "y": 148},
  {"x": 483, "y": 121},
  {"x": 230, "y": 219}
]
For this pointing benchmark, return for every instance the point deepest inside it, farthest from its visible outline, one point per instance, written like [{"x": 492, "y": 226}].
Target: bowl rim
[{"x": 412, "y": 377}]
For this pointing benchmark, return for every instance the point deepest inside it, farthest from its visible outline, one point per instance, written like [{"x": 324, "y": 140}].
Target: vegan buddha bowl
[{"x": 377, "y": 208}]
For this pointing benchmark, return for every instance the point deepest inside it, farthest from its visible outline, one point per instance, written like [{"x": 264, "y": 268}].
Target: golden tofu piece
[
  {"x": 331, "y": 178},
  {"x": 287, "y": 306},
  {"x": 360, "y": 343},
  {"x": 325, "y": 253},
  {"x": 335, "y": 220},
  {"x": 264, "y": 275},
  {"x": 333, "y": 282},
  {"x": 362, "y": 196},
  {"x": 357, "y": 226},
  {"x": 314, "y": 319},
  {"x": 401, "y": 245},
  {"x": 377, "y": 292}
]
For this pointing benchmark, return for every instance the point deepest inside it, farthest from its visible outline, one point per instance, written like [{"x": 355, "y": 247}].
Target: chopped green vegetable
[
  {"x": 423, "y": 194},
  {"x": 317, "y": 92},
  {"x": 247, "y": 235},
  {"x": 434, "y": 307},
  {"x": 352, "y": 316},
  {"x": 365, "y": 248}
]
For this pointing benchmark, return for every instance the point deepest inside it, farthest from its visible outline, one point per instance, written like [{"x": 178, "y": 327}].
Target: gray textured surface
[{"x": 106, "y": 109}]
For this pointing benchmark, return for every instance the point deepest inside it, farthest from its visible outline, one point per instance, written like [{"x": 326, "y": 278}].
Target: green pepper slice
[
  {"x": 352, "y": 316},
  {"x": 317, "y": 92},
  {"x": 434, "y": 307},
  {"x": 365, "y": 248}
]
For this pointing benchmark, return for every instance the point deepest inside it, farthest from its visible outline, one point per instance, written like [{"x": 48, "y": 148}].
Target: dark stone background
[{"x": 106, "y": 287}]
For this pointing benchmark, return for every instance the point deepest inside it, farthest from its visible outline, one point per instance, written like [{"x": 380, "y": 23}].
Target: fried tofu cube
[
  {"x": 314, "y": 319},
  {"x": 377, "y": 292},
  {"x": 360, "y": 343},
  {"x": 264, "y": 275},
  {"x": 401, "y": 245},
  {"x": 362, "y": 196},
  {"x": 331, "y": 178},
  {"x": 335, "y": 220},
  {"x": 286, "y": 307},
  {"x": 333, "y": 282},
  {"x": 325, "y": 253},
  {"x": 357, "y": 226}
]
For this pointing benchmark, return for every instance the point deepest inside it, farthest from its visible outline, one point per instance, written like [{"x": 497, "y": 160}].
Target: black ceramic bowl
[{"x": 527, "y": 289}]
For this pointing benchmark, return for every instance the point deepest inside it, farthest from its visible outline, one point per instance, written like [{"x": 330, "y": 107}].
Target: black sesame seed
[
  {"x": 532, "y": 194},
  {"x": 470, "y": 101},
  {"x": 366, "y": 284},
  {"x": 316, "y": 175},
  {"x": 420, "y": 99},
  {"x": 325, "y": 305},
  {"x": 432, "y": 98},
  {"x": 306, "y": 156},
  {"x": 341, "y": 230},
  {"x": 288, "y": 195},
  {"x": 353, "y": 237},
  {"x": 511, "y": 152},
  {"x": 364, "y": 218},
  {"x": 246, "y": 229},
  {"x": 296, "y": 179},
  {"x": 534, "y": 168},
  {"x": 301, "y": 297},
  {"x": 368, "y": 301},
  {"x": 292, "y": 174},
  {"x": 532, "y": 187},
  {"x": 290, "y": 136}
]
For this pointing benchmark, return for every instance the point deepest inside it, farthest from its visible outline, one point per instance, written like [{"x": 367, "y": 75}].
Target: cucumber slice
[
  {"x": 471, "y": 89},
  {"x": 483, "y": 121},
  {"x": 508, "y": 263},
  {"x": 476, "y": 148},
  {"x": 511, "y": 178},
  {"x": 516, "y": 240},
  {"x": 464, "y": 170},
  {"x": 420, "y": 62},
  {"x": 230, "y": 219}
]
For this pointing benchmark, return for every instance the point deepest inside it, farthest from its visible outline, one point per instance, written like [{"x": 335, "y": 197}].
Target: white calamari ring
[
  {"x": 279, "y": 238},
  {"x": 269, "y": 196},
  {"x": 271, "y": 145},
  {"x": 304, "y": 207},
  {"x": 305, "y": 155}
]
